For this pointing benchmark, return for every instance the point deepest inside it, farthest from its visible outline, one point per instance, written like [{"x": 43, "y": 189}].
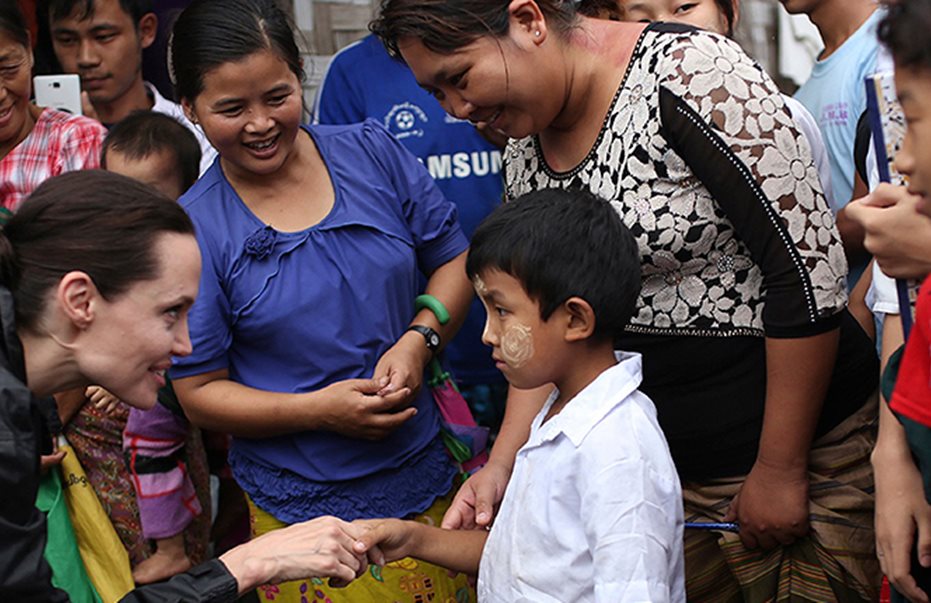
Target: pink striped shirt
[{"x": 58, "y": 143}]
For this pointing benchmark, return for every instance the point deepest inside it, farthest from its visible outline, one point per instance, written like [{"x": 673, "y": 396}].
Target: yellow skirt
[{"x": 405, "y": 581}]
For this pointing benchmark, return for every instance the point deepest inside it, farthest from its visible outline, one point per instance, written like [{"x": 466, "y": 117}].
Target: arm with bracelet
[
  {"x": 439, "y": 314},
  {"x": 431, "y": 338}
]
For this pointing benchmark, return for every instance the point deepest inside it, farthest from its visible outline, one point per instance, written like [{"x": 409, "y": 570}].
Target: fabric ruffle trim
[
  {"x": 260, "y": 243},
  {"x": 400, "y": 492}
]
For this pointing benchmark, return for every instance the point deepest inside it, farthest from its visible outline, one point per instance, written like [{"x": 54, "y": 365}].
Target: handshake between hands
[{"x": 325, "y": 547}]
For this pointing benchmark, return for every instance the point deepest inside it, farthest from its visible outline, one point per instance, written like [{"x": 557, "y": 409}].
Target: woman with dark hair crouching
[{"x": 107, "y": 303}]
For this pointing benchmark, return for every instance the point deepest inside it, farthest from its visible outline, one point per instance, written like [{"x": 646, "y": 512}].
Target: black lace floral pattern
[{"x": 707, "y": 263}]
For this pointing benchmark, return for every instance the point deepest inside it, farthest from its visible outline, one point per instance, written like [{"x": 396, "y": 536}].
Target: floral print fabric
[{"x": 704, "y": 164}]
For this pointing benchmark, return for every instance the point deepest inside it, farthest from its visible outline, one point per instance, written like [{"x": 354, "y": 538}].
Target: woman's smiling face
[
  {"x": 250, "y": 111},
  {"x": 15, "y": 90}
]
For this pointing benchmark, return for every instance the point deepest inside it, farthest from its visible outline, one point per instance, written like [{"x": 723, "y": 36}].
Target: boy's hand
[
  {"x": 385, "y": 540},
  {"x": 771, "y": 507},
  {"x": 898, "y": 234},
  {"x": 102, "y": 399},
  {"x": 902, "y": 514},
  {"x": 476, "y": 502}
]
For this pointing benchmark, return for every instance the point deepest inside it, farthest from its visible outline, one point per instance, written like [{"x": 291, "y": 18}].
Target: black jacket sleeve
[
  {"x": 25, "y": 577},
  {"x": 24, "y": 574},
  {"x": 209, "y": 582}
]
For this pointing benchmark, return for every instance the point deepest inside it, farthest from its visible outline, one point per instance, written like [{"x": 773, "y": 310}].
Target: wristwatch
[{"x": 431, "y": 337}]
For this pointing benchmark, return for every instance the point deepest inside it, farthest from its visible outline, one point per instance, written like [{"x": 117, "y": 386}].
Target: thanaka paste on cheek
[{"x": 516, "y": 345}]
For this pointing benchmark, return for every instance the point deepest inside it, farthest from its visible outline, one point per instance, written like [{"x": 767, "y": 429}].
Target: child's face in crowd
[
  {"x": 705, "y": 14},
  {"x": 105, "y": 49},
  {"x": 15, "y": 90},
  {"x": 158, "y": 170},
  {"x": 525, "y": 348},
  {"x": 914, "y": 158},
  {"x": 250, "y": 111}
]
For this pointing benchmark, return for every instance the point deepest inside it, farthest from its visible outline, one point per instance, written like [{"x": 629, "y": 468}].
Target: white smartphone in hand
[{"x": 60, "y": 92}]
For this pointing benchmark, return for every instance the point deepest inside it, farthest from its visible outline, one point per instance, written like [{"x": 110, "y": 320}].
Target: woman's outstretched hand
[{"x": 319, "y": 548}]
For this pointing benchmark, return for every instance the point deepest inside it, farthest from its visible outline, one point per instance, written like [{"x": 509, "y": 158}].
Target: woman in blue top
[{"x": 311, "y": 241}]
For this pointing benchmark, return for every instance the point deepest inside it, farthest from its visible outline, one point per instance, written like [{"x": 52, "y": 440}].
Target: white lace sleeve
[{"x": 724, "y": 116}]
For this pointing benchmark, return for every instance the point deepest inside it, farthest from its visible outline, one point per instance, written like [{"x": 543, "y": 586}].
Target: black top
[{"x": 710, "y": 394}]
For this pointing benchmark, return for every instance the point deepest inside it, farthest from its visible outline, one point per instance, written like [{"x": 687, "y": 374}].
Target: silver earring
[{"x": 537, "y": 33}]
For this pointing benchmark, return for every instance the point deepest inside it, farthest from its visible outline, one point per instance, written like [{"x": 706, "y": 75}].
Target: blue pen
[{"x": 712, "y": 526}]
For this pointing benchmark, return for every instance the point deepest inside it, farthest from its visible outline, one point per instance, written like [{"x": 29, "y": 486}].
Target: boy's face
[
  {"x": 105, "y": 48},
  {"x": 526, "y": 349},
  {"x": 913, "y": 86},
  {"x": 158, "y": 170}
]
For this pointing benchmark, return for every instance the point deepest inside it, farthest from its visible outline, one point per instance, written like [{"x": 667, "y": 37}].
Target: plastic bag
[
  {"x": 104, "y": 555},
  {"x": 61, "y": 547}
]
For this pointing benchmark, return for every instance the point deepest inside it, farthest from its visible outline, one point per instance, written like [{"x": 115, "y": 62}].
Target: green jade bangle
[{"x": 434, "y": 305}]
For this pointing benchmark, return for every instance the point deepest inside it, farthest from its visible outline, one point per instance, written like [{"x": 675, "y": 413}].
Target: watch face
[{"x": 434, "y": 340}]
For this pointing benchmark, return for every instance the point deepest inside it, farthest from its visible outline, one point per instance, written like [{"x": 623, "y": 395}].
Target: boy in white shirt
[{"x": 593, "y": 511}]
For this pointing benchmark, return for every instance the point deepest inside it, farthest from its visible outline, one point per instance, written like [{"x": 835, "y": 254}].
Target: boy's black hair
[
  {"x": 904, "y": 30},
  {"x": 61, "y": 9},
  {"x": 559, "y": 244},
  {"x": 143, "y": 133}
]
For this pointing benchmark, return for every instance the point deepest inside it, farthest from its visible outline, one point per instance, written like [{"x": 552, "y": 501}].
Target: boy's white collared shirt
[{"x": 593, "y": 511}]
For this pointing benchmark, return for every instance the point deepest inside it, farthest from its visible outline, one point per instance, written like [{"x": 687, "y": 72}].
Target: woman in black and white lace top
[{"x": 764, "y": 384}]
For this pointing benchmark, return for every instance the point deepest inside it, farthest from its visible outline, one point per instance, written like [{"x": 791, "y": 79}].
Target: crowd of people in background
[{"x": 666, "y": 286}]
